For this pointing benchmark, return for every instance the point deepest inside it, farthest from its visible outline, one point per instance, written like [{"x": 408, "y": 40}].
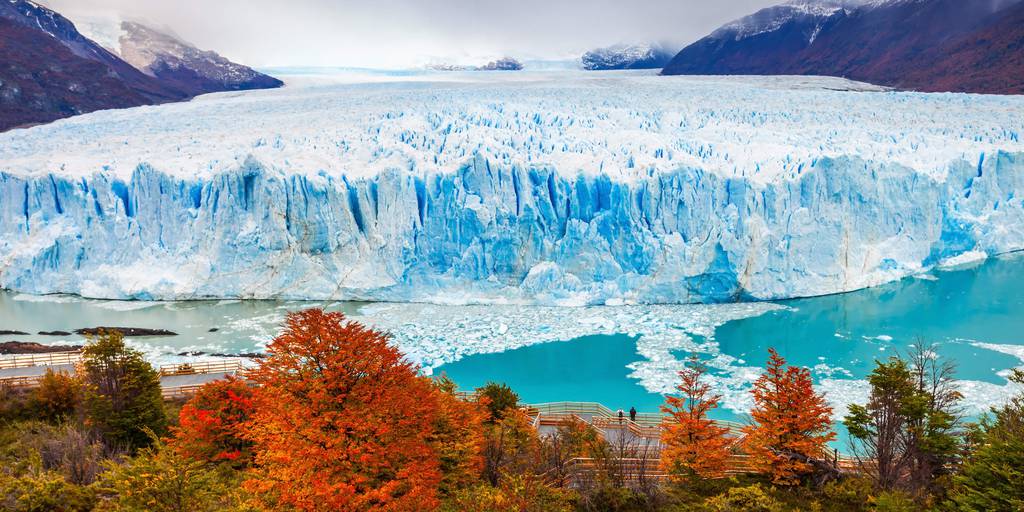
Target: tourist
[
  {"x": 622, "y": 415},
  {"x": 632, "y": 414}
]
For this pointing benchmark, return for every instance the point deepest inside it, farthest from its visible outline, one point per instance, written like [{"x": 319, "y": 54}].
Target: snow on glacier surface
[{"x": 543, "y": 187}]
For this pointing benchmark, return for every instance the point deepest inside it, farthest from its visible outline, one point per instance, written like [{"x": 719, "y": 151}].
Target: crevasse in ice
[{"x": 546, "y": 188}]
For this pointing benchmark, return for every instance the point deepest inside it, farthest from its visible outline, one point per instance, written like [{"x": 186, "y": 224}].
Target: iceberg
[{"x": 534, "y": 188}]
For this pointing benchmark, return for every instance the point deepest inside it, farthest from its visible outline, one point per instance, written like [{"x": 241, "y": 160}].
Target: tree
[
  {"x": 511, "y": 447},
  {"x": 694, "y": 444},
  {"x": 122, "y": 392},
  {"x": 158, "y": 479},
  {"x": 458, "y": 437},
  {"x": 210, "y": 424},
  {"x": 341, "y": 421},
  {"x": 880, "y": 428},
  {"x": 792, "y": 424},
  {"x": 499, "y": 398},
  {"x": 571, "y": 439},
  {"x": 907, "y": 435},
  {"x": 937, "y": 433},
  {"x": 993, "y": 476}
]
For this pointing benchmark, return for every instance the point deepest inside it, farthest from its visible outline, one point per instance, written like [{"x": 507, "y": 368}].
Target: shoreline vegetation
[{"x": 334, "y": 418}]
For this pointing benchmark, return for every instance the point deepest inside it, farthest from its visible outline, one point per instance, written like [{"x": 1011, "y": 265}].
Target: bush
[
  {"x": 515, "y": 494},
  {"x": 848, "y": 494},
  {"x": 499, "y": 399},
  {"x": 46, "y": 491},
  {"x": 122, "y": 393},
  {"x": 57, "y": 397},
  {"x": 160, "y": 480},
  {"x": 894, "y": 501},
  {"x": 14, "y": 403},
  {"x": 76, "y": 454},
  {"x": 744, "y": 499}
]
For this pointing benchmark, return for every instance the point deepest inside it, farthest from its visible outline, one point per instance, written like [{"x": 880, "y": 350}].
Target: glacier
[{"x": 556, "y": 188}]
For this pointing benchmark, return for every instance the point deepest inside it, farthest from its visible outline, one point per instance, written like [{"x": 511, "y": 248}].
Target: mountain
[
  {"x": 50, "y": 70},
  {"x": 183, "y": 66},
  {"x": 626, "y": 57},
  {"x": 930, "y": 45},
  {"x": 502, "y": 64}
]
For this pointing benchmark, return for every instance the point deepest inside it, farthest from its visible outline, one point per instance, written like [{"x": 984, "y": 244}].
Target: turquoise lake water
[
  {"x": 975, "y": 314},
  {"x": 953, "y": 308}
]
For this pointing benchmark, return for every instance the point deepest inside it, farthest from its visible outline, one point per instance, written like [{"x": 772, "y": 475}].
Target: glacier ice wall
[
  {"x": 487, "y": 232},
  {"x": 613, "y": 190}
]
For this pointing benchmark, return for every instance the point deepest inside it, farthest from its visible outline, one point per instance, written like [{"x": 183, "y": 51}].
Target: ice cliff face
[{"x": 554, "y": 189}]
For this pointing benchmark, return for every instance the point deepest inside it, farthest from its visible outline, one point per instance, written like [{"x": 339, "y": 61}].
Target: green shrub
[
  {"x": 157, "y": 479},
  {"x": 849, "y": 494},
  {"x": 44, "y": 492},
  {"x": 752, "y": 498},
  {"x": 894, "y": 501}
]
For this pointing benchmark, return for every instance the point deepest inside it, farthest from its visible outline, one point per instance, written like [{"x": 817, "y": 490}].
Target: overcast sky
[{"x": 402, "y": 33}]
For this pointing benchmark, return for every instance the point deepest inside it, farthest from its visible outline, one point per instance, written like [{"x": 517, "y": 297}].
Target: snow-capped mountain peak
[{"x": 626, "y": 56}]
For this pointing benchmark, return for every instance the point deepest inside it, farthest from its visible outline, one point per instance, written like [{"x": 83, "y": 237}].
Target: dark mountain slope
[
  {"x": 42, "y": 80},
  {"x": 901, "y": 43}
]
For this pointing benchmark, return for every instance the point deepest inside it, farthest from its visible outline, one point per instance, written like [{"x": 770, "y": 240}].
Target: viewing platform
[{"x": 176, "y": 380}]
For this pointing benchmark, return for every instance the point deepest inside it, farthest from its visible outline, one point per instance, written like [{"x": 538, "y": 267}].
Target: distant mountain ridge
[
  {"x": 49, "y": 70},
  {"x": 635, "y": 56},
  {"x": 912, "y": 44},
  {"x": 184, "y": 66}
]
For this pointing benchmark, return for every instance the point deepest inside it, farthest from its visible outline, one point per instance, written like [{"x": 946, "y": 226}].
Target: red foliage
[
  {"x": 341, "y": 422},
  {"x": 693, "y": 442},
  {"x": 210, "y": 424},
  {"x": 792, "y": 422}
]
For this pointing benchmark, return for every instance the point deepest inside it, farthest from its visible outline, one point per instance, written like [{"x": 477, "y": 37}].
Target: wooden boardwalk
[{"x": 176, "y": 380}]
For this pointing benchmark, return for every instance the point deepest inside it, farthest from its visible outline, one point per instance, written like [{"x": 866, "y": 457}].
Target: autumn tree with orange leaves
[
  {"x": 210, "y": 424},
  {"x": 694, "y": 444},
  {"x": 458, "y": 436},
  {"x": 342, "y": 421},
  {"x": 792, "y": 423}
]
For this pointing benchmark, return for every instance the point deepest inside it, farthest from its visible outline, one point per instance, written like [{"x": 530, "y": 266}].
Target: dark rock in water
[
  {"x": 213, "y": 329},
  {"x": 29, "y": 347},
  {"x": 13, "y": 333},
  {"x": 125, "y": 331},
  {"x": 54, "y": 333},
  {"x": 246, "y": 355}
]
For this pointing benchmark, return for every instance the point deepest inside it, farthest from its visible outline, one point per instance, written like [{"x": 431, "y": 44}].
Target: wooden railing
[
  {"x": 48, "y": 359},
  {"x": 202, "y": 367},
  {"x": 24, "y": 381},
  {"x": 180, "y": 391}
]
